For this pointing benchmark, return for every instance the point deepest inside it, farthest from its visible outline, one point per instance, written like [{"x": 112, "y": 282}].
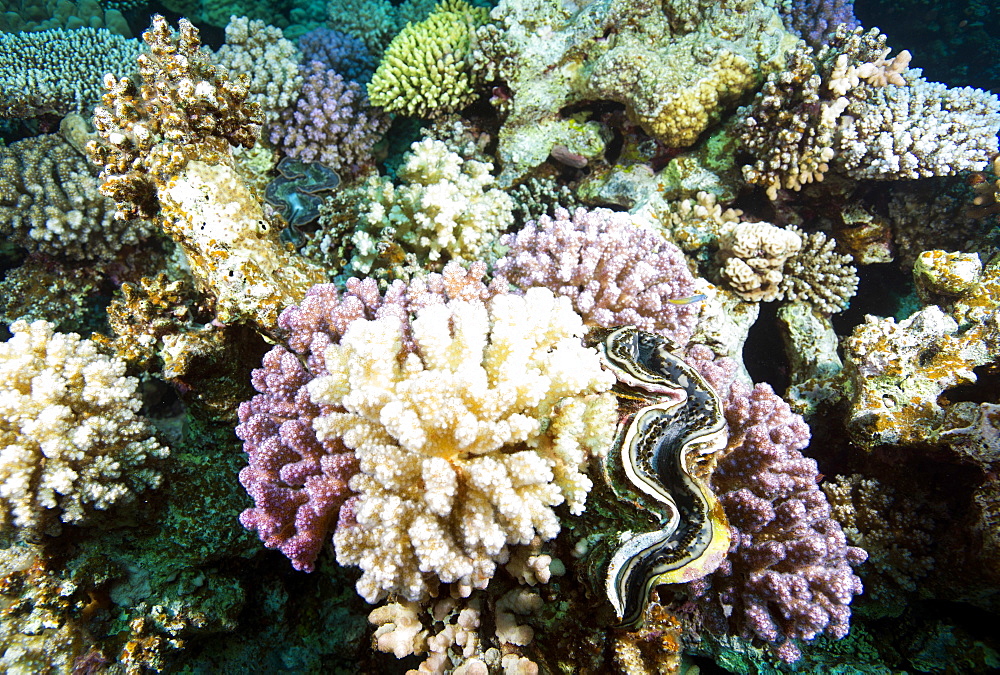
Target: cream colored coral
[
  {"x": 262, "y": 53},
  {"x": 70, "y": 440},
  {"x": 467, "y": 444},
  {"x": 819, "y": 275},
  {"x": 753, "y": 256},
  {"x": 446, "y": 208}
]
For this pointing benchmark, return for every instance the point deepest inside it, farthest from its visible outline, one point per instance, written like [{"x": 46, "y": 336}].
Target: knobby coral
[
  {"x": 70, "y": 439},
  {"x": 613, "y": 266},
  {"x": 466, "y": 443}
]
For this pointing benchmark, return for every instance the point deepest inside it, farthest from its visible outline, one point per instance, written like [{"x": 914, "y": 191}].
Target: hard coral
[
  {"x": 70, "y": 441},
  {"x": 166, "y": 151},
  {"x": 298, "y": 482},
  {"x": 466, "y": 443},
  {"x": 50, "y": 202},
  {"x": 424, "y": 73},
  {"x": 330, "y": 123},
  {"x": 788, "y": 574},
  {"x": 613, "y": 266}
]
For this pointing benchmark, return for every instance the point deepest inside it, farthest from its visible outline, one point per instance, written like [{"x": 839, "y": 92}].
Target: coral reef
[
  {"x": 50, "y": 202},
  {"x": 338, "y": 51},
  {"x": 788, "y": 574},
  {"x": 849, "y": 107},
  {"x": 424, "y": 71},
  {"x": 262, "y": 53},
  {"x": 446, "y": 208},
  {"x": 165, "y": 149},
  {"x": 614, "y": 268},
  {"x": 72, "y": 442},
  {"x": 59, "y": 71},
  {"x": 330, "y": 123},
  {"x": 467, "y": 443}
]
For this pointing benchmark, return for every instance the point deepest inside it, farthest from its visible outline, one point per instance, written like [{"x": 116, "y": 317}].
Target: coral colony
[{"x": 542, "y": 336}]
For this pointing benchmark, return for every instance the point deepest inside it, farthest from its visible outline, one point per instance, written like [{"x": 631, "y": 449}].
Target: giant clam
[{"x": 651, "y": 520}]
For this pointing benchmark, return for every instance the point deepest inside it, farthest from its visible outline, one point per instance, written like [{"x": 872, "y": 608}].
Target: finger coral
[
  {"x": 613, "y": 266},
  {"x": 70, "y": 439},
  {"x": 330, "y": 123},
  {"x": 448, "y": 208},
  {"x": 788, "y": 573},
  {"x": 298, "y": 482},
  {"x": 50, "y": 202},
  {"x": 424, "y": 72},
  {"x": 465, "y": 444}
]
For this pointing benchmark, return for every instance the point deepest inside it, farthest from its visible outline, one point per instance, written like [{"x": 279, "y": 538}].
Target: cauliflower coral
[
  {"x": 466, "y": 444},
  {"x": 70, "y": 440}
]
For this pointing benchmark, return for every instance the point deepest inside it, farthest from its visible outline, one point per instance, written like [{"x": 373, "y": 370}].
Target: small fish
[{"x": 697, "y": 297}]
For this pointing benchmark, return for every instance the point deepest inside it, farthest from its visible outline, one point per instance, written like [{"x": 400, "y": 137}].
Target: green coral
[{"x": 424, "y": 71}]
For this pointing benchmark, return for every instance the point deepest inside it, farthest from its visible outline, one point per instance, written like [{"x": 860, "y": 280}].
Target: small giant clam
[{"x": 650, "y": 519}]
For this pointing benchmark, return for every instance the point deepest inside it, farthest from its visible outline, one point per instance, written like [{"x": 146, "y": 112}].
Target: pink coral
[
  {"x": 615, "y": 271},
  {"x": 298, "y": 483},
  {"x": 331, "y": 123},
  {"x": 788, "y": 574}
]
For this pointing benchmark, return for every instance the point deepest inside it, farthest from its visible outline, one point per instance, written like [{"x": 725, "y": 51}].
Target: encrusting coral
[
  {"x": 70, "y": 439},
  {"x": 166, "y": 153},
  {"x": 466, "y": 443}
]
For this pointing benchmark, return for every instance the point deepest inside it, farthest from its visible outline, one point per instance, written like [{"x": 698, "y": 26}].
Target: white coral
[
  {"x": 69, "y": 436},
  {"x": 466, "y": 445}
]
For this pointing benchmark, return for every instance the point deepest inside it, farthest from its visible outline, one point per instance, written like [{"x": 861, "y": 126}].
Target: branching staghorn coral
[
  {"x": 70, "y": 441},
  {"x": 466, "y": 443},
  {"x": 166, "y": 153}
]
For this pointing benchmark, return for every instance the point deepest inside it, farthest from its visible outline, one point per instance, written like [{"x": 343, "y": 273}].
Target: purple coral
[
  {"x": 788, "y": 573},
  {"x": 815, "y": 21},
  {"x": 615, "y": 271},
  {"x": 338, "y": 51},
  {"x": 300, "y": 485},
  {"x": 331, "y": 123}
]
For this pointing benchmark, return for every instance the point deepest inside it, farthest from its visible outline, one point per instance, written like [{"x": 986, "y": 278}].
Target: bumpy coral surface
[
  {"x": 59, "y": 71},
  {"x": 424, "y": 72},
  {"x": 788, "y": 574},
  {"x": 330, "y": 123},
  {"x": 447, "y": 208},
  {"x": 613, "y": 266},
  {"x": 465, "y": 444},
  {"x": 299, "y": 483},
  {"x": 50, "y": 202},
  {"x": 271, "y": 63},
  {"x": 70, "y": 441}
]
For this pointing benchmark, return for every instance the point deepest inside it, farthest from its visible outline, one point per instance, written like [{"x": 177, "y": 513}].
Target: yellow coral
[{"x": 424, "y": 72}]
